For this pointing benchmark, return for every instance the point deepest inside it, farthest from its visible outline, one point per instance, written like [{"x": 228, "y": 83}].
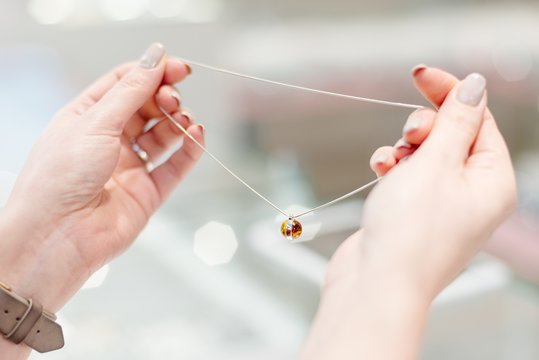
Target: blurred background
[{"x": 212, "y": 265}]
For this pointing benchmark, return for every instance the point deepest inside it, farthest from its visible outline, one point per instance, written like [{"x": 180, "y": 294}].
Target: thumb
[
  {"x": 458, "y": 121},
  {"x": 129, "y": 94}
]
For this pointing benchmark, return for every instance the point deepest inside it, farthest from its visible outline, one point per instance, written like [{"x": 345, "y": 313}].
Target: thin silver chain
[
  {"x": 297, "y": 87},
  {"x": 182, "y": 129},
  {"x": 322, "y": 92}
]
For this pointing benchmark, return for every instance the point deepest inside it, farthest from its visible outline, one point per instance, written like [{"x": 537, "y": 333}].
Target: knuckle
[
  {"x": 122, "y": 69},
  {"x": 173, "y": 129},
  {"x": 193, "y": 153},
  {"x": 99, "y": 122},
  {"x": 159, "y": 139},
  {"x": 464, "y": 125},
  {"x": 85, "y": 102},
  {"x": 176, "y": 168},
  {"x": 429, "y": 112},
  {"x": 133, "y": 81}
]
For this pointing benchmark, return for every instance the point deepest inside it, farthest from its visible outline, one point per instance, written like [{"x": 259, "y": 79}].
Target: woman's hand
[
  {"x": 84, "y": 195},
  {"x": 445, "y": 200},
  {"x": 514, "y": 242},
  {"x": 432, "y": 213},
  {"x": 421, "y": 225}
]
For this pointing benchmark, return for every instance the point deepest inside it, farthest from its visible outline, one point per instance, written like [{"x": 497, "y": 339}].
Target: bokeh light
[
  {"x": 167, "y": 8},
  {"x": 121, "y": 10},
  {"x": 50, "y": 12},
  {"x": 513, "y": 62},
  {"x": 202, "y": 11},
  {"x": 215, "y": 243}
]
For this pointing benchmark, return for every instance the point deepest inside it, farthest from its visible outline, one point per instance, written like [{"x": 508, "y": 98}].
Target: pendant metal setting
[{"x": 291, "y": 229}]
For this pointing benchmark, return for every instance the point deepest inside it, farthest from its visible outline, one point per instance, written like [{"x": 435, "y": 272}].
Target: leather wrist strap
[{"x": 24, "y": 320}]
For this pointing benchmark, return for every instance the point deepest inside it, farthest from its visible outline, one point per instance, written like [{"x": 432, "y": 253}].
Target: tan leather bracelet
[{"x": 24, "y": 320}]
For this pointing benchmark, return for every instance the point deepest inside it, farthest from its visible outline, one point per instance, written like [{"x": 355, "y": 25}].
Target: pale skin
[
  {"x": 83, "y": 195},
  {"x": 421, "y": 226},
  {"x": 516, "y": 241},
  {"x": 57, "y": 230}
]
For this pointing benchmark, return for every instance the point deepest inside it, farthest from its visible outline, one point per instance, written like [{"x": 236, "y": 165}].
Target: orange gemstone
[{"x": 291, "y": 229}]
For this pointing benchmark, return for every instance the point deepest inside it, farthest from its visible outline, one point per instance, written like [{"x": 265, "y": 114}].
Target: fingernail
[
  {"x": 472, "y": 89},
  {"x": 188, "y": 114},
  {"x": 202, "y": 128},
  {"x": 189, "y": 69},
  {"x": 152, "y": 56},
  {"x": 417, "y": 69},
  {"x": 176, "y": 96},
  {"x": 401, "y": 144}
]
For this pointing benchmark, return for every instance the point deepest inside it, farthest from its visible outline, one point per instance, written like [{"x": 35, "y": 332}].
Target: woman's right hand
[
  {"x": 433, "y": 212},
  {"x": 421, "y": 225}
]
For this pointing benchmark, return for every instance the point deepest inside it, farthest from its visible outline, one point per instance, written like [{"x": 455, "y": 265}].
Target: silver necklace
[{"x": 291, "y": 228}]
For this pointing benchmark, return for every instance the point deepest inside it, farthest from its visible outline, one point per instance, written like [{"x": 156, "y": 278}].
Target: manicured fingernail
[
  {"x": 472, "y": 89},
  {"x": 188, "y": 114},
  {"x": 189, "y": 69},
  {"x": 176, "y": 96},
  {"x": 152, "y": 56},
  {"x": 401, "y": 144},
  {"x": 417, "y": 69}
]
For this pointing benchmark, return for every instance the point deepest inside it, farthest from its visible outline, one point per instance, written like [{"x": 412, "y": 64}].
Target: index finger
[{"x": 434, "y": 84}]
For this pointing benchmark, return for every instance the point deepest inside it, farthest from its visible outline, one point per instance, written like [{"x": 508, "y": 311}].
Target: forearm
[
  {"x": 368, "y": 318},
  {"x": 13, "y": 352}
]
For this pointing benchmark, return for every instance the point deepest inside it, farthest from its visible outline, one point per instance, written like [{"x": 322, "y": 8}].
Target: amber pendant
[{"x": 291, "y": 229}]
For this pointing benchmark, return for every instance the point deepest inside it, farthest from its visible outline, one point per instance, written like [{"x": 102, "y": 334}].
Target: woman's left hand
[{"x": 84, "y": 195}]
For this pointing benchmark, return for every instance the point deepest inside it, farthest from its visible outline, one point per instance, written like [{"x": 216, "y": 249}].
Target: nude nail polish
[
  {"x": 189, "y": 69},
  {"x": 152, "y": 57},
  {"x": 188, "y": 114},
  {"x": 176, "y": 96},
  {"x": 417, "y": 69},
  {"x": 472, "y": 89}
]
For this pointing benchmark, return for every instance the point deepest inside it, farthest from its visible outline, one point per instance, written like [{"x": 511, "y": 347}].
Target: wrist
[
  {"x": 363, "y": 264},
  {"x": 368, "y": 316},
  {"x": 370, "y": 308},
  {"x": 404, "y": 263},
  {"x": 25, "y": 324},
  {"x": 372, "y": 285},
  {"x": 35, "y": 263}
]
